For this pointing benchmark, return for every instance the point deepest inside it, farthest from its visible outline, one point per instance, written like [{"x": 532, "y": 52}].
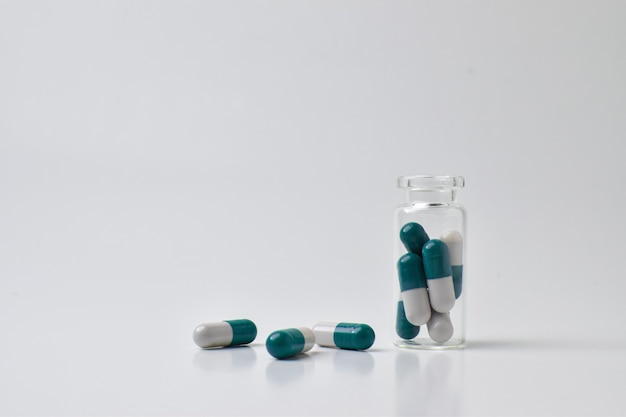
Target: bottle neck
[{"x": 431, "y": 195}]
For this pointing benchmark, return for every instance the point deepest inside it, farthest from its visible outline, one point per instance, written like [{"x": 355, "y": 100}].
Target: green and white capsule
[
  {"x": 286, "y": 343},
  {"x": 438, "y": 276},
  {"x": 440, "y": 327},
  {"x": 354, "y": 336},
  {"x": 454, "y": 241},
  {"x": 404, "y": 329},
  {"x": 413, "y": 289},
  {"x": 224, "y": 333},
  {"x": 413, "y": 237}
]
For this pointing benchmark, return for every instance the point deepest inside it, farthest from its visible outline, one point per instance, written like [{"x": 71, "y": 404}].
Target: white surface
[{"x": 164, "y": 164}]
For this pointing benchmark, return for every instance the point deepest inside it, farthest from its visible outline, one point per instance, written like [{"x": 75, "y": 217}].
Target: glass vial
[{"x": 430, "y": 285}]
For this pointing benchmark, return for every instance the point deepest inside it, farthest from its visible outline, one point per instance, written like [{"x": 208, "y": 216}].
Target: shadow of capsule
[
  {"x": 286, "y": 371},
  {"x": 225, "y": 359},
  {"x": 353, "y": 362}
]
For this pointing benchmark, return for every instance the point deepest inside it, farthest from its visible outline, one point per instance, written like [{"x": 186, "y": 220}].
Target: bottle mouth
[{"x": 431, "y": 182}]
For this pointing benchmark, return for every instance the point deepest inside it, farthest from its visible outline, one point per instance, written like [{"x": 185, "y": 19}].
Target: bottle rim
[{"x": 431, "y": 182}]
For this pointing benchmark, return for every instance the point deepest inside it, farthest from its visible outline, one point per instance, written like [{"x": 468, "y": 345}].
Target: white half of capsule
[
  {"x": 325, "y": 333},
  {"x": 454, "y": 242},
  {"x": 309, "y": 338},
  {"x": 441, "y": 293},
  {"x": 440, "y": 327},
  {"x": 416, "y": 305},
  {"x": 216, "y": 334}
]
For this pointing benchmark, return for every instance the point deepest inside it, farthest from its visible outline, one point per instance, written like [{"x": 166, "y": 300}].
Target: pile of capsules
[
  {"x": 285, "y": 343},
  {"x": 430, "y": 274}
]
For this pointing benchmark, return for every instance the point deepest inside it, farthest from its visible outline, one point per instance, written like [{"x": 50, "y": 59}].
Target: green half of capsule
[
  {"x": 411, "y": 272},
  {"x": 457, "y": 278},
  {"x": 286, "y": 343},
  {"x": 404, "y": 328},
  {"x": 244, "y": 331},
  {"x": 413, "y": 237},
  {"x": 436, "y": 260},
  {"x": 353, "y": 336},
  {"x": 454, "y": 240}
]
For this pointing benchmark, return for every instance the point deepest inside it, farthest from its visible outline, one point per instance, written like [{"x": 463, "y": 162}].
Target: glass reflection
[{"x": 429, "y": 384}]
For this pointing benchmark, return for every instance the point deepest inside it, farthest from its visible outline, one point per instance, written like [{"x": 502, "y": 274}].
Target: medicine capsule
[
  {"x": 440, "y": 327},
  {"x": 224, "y": 333},
  {"x": 404, "y": 329},
  {"x": 454, "y": 241},
  {"x": 286, "y": 343},
  {"x": 413, "y": 237},
  {"x": 413, "y": 289},
  {"x": 352, "y": 336},
  {"x": 438, "y": 275}
]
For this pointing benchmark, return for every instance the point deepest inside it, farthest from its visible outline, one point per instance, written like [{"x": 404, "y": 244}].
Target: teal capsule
[
  {"x": 244, "y": 331},
  {"x": 457, "y": 279},
  {"x": 454, "y": 241},
  {"x": 225, "y": 333},
  {"x": 411, "y": 272},
  {"x": 438, "y": 275},
  {"x": 413, "y": 289},
  {"x": 404, "y": 329},
  {"x": 352, "y": 336},
  {"x": 413, "y": 237},
  {"x": 286, "y": 343},
  {"x": 436, "y": 259}
]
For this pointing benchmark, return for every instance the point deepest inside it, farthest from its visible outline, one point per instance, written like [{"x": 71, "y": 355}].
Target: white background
[{"x": 164, "y": 164}]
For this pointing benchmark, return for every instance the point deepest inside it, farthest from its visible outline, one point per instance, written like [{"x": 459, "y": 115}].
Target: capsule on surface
[
  {"x": 404, "y": 329},
  {"x": 454, "y": 241},
  {"x": 354, "y": 336},
  {"x": 413, "y": 237},
  {"x": 413, "y": 289},
  {"x": 224, "y": 333},
  {"x": 440, "y": 327},
  {"x": 438, "y": 275},
  {"x": 286, "y": 343}
]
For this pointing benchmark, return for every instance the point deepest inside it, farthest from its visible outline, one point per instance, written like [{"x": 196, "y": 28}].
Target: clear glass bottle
[{"x": 429, "y": 247}]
